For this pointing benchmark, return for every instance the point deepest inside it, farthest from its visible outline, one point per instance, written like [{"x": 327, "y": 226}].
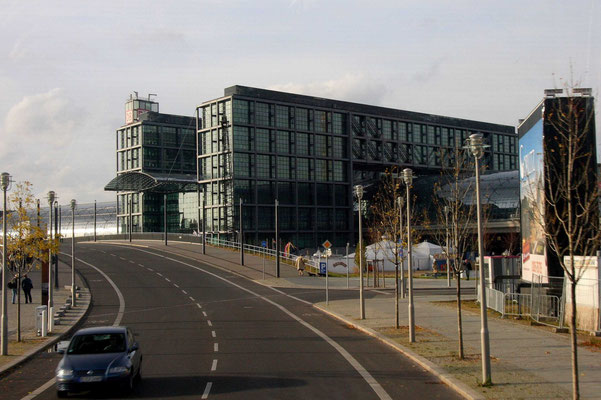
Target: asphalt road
[{"x": 207, "y": 333}]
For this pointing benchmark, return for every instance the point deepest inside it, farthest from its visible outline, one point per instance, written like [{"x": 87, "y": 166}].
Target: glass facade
[
  {"x": 263, "y": 145},
  {"x": 161, "y": 144}
]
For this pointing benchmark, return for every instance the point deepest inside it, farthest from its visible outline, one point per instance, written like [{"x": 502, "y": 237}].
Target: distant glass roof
[{"x": 137, "y": 181}]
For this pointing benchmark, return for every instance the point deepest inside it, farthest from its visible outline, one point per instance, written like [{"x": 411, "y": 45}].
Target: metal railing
[{"x": 544, "y": 309}]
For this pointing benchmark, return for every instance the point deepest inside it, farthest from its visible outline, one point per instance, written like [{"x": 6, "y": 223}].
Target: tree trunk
[
  {"x": 459, "y": 323},
  {"x": 574, "y": 340},
  {"x": 19, "y": 303}
]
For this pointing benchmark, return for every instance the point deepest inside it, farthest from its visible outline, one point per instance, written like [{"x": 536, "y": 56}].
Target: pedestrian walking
[
  {"x": 467, "y": 267},
  {"x": 300, "y": 265},
  {"x": 14, "y": 285},
  {"x": 27, "y": 285}
]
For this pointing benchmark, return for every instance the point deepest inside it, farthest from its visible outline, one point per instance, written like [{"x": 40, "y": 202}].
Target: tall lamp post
[
  {"x": 51, "y": 198},
  {"x": 446, "y": 222},
  {"x": 400, "y": 248},
  {"x": 408, "y": 178},
  {"x": 359, "y": 194},
  {"x": 4, "y": 181},
  {"x": 241, "y": 233},
  {"x": 476, "y": 145},
  {"x": 73, "y": 205}
]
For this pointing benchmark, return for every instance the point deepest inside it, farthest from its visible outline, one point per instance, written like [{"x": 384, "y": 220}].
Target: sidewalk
[
  {"x": 30, "y": 342},
  {"x": 527, "y": 361}
]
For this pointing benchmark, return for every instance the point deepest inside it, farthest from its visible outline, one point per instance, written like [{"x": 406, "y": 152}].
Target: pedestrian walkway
[
  {"x": 31, "y": 342},
  {"x": 527, "y": 361}
]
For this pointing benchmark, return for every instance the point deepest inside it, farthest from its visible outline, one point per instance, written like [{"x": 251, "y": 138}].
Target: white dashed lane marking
[
  {"x": 133, "y": 262},
  {"x": 167, "y": 279},
  {"x": 121, "y": 258},
  {"x": 141, "y": 265},
  {"x": 192, "y": 299},
  {"x": 205, "y": 395},
  {"x": 159, "y": 274},
  {"x": 204, "y": 313},
  {"x": 114, "y": 255},
  {"x": 176, "y": 285},
  {"x": 199, "y": 306},
  {"x": 209, "y": 322},
  {"x": 213, "y": 334},
  {"x": 184, "y": 292},
  {"x": 215, "y": 347},
  {"x": 214, "y": 366}
]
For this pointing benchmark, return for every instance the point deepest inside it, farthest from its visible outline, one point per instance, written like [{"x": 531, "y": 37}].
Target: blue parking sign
[
  {"x": 264, "y": 243},
  {"x": 322, "y": 268}
]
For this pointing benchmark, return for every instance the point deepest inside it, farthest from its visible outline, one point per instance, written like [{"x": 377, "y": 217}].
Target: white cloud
[{"x": 349, "y": 87}]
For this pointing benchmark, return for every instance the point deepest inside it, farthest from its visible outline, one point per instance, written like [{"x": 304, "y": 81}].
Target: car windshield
[{"x": 97, "y": 343}]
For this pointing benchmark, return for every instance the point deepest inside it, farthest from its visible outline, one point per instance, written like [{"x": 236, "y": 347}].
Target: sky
[{"x": 67, "y": 67}]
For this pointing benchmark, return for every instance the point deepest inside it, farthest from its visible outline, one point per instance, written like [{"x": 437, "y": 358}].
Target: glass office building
[
  {"x": 307, "y": 152},
  {"x": 155, "y": 150}
]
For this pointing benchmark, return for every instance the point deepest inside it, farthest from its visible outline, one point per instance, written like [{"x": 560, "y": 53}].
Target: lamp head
[
  {"x": 5, "y": 180},
  {"x": 476, "y": 144},
  {"x": 359, "y": 191},
  {"x": 73, "y": 204},
  {"x": 408, "y": 176},
  {"x": 51, "y": 197}
]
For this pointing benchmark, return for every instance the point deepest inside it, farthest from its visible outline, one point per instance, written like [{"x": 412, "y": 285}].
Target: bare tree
[
  {"x": 568, "y": 216},
  {"x": 456, "y": 211},
  {"x": 26, "y": 241}
]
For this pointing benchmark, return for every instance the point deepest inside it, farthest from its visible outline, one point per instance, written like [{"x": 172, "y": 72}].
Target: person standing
[
  {"x": 300, "y": 265},
  {"x": 467, "y": 267},
  {"x": 27, "y": 285},
  {"x": 14, "y": 285}
]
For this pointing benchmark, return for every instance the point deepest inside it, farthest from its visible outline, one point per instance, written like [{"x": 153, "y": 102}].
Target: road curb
[
  {"x": 6, "y": 369},
  {"x": 444, "y": 376}
]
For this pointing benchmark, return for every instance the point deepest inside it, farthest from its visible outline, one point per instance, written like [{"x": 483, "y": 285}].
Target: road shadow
[{"x": 177, "y": 386}]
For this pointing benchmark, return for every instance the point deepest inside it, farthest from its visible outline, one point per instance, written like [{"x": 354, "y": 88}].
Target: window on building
[
  {"x": 339, "y": 124},
  {"x": 325, "y": 194},
  {"x": 320, "y": 121},
  {"x": 263, "y": 141},
  {"x": 282, "y": 117},
  {"x": 341, "y": 195},
  {"x": 321, "y": 145},
  {"x": 339, "y": 147},
  {"x": 305, "y": 219},
  {"x": 245, "y": 189},
  {"x": 324, "y": 218},
  {"x": 265, "y": 192},
  {"x": 241, "y": 112},
  {"x": 286, "y": 192},
  {"x": 305, "y": 193},
  {"x": 341, "y": 219},
  {"x": 262, "y": 114}
]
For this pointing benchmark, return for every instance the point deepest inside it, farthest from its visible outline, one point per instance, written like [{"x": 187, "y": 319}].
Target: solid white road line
[
  {"x": 114, "y": 255},
  {"x": 141, "y": 265},
  {"x": 121, "y": 258},
  {"x": 159, "y": 274},
  {"x": 371, "y": 381},
  {"x": 118, "y": 319},
  {"x": 205, "y": 395},
  {"x": 151, "y": 270},
  {"x": 214, "y": 366}
]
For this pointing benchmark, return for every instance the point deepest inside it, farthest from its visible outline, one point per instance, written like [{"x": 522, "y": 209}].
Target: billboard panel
[{"x": 532, "y": 198}]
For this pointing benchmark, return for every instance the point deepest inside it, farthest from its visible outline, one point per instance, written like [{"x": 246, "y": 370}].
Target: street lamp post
[
  {"x": 446, "y": 221},
  {"x": 359, "y": 194},
  {"x": 51, "y": 197},
  {"x": 73, "y": 205},
  {"x": 204, "y": 224},
  {"x": 476, "y": 145},
  {"x": 4, "y": 181},
  {"x": 277, "y": 240},
  {"x": 400, "y": 249},
  {"x": 95, "y": 211},
  {"x": 241, "y": 234},
  {"x": 408, "y": 178}
]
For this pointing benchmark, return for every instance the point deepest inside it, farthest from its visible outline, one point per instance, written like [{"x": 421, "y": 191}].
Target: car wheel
[{"x": 61, "y": 394}]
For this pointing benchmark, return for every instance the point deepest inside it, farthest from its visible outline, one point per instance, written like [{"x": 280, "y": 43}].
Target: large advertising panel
[{"x": 532, "y": 199}]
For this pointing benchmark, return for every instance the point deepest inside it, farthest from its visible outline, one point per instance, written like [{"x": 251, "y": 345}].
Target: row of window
[
  {"x": 212, "y": 114},
  {"x": 168, "y": 136},
  {"x": 301, "y": 193},
  {"x": 288, "y": 117},
  {"x": 282, "y": 167},
  {"x": 290, "y": 218}
]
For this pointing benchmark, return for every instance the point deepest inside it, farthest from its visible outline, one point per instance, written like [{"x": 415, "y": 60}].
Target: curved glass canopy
[{"x": 137, "y": 181}]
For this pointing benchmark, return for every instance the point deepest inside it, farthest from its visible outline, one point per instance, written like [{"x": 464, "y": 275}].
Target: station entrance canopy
[{"x": 137, "y": 181}]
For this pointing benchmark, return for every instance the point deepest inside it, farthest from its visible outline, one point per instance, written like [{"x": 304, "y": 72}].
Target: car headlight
[
  {"x": 118, "y": 370},
  {"x": 64, "y": 373}
]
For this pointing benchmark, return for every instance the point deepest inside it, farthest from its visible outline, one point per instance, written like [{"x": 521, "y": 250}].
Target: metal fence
[{"x": 542, "y": 308}]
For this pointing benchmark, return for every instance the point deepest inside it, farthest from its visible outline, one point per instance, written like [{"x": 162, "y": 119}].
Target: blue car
[{"x": 97, "y": 358}]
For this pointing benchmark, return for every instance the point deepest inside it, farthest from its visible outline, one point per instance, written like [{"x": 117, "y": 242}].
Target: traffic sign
[
  {"x": 327, "y": 244},
  {"x": 322, "y": 268},
  {"x": 264, "y": 243}
]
